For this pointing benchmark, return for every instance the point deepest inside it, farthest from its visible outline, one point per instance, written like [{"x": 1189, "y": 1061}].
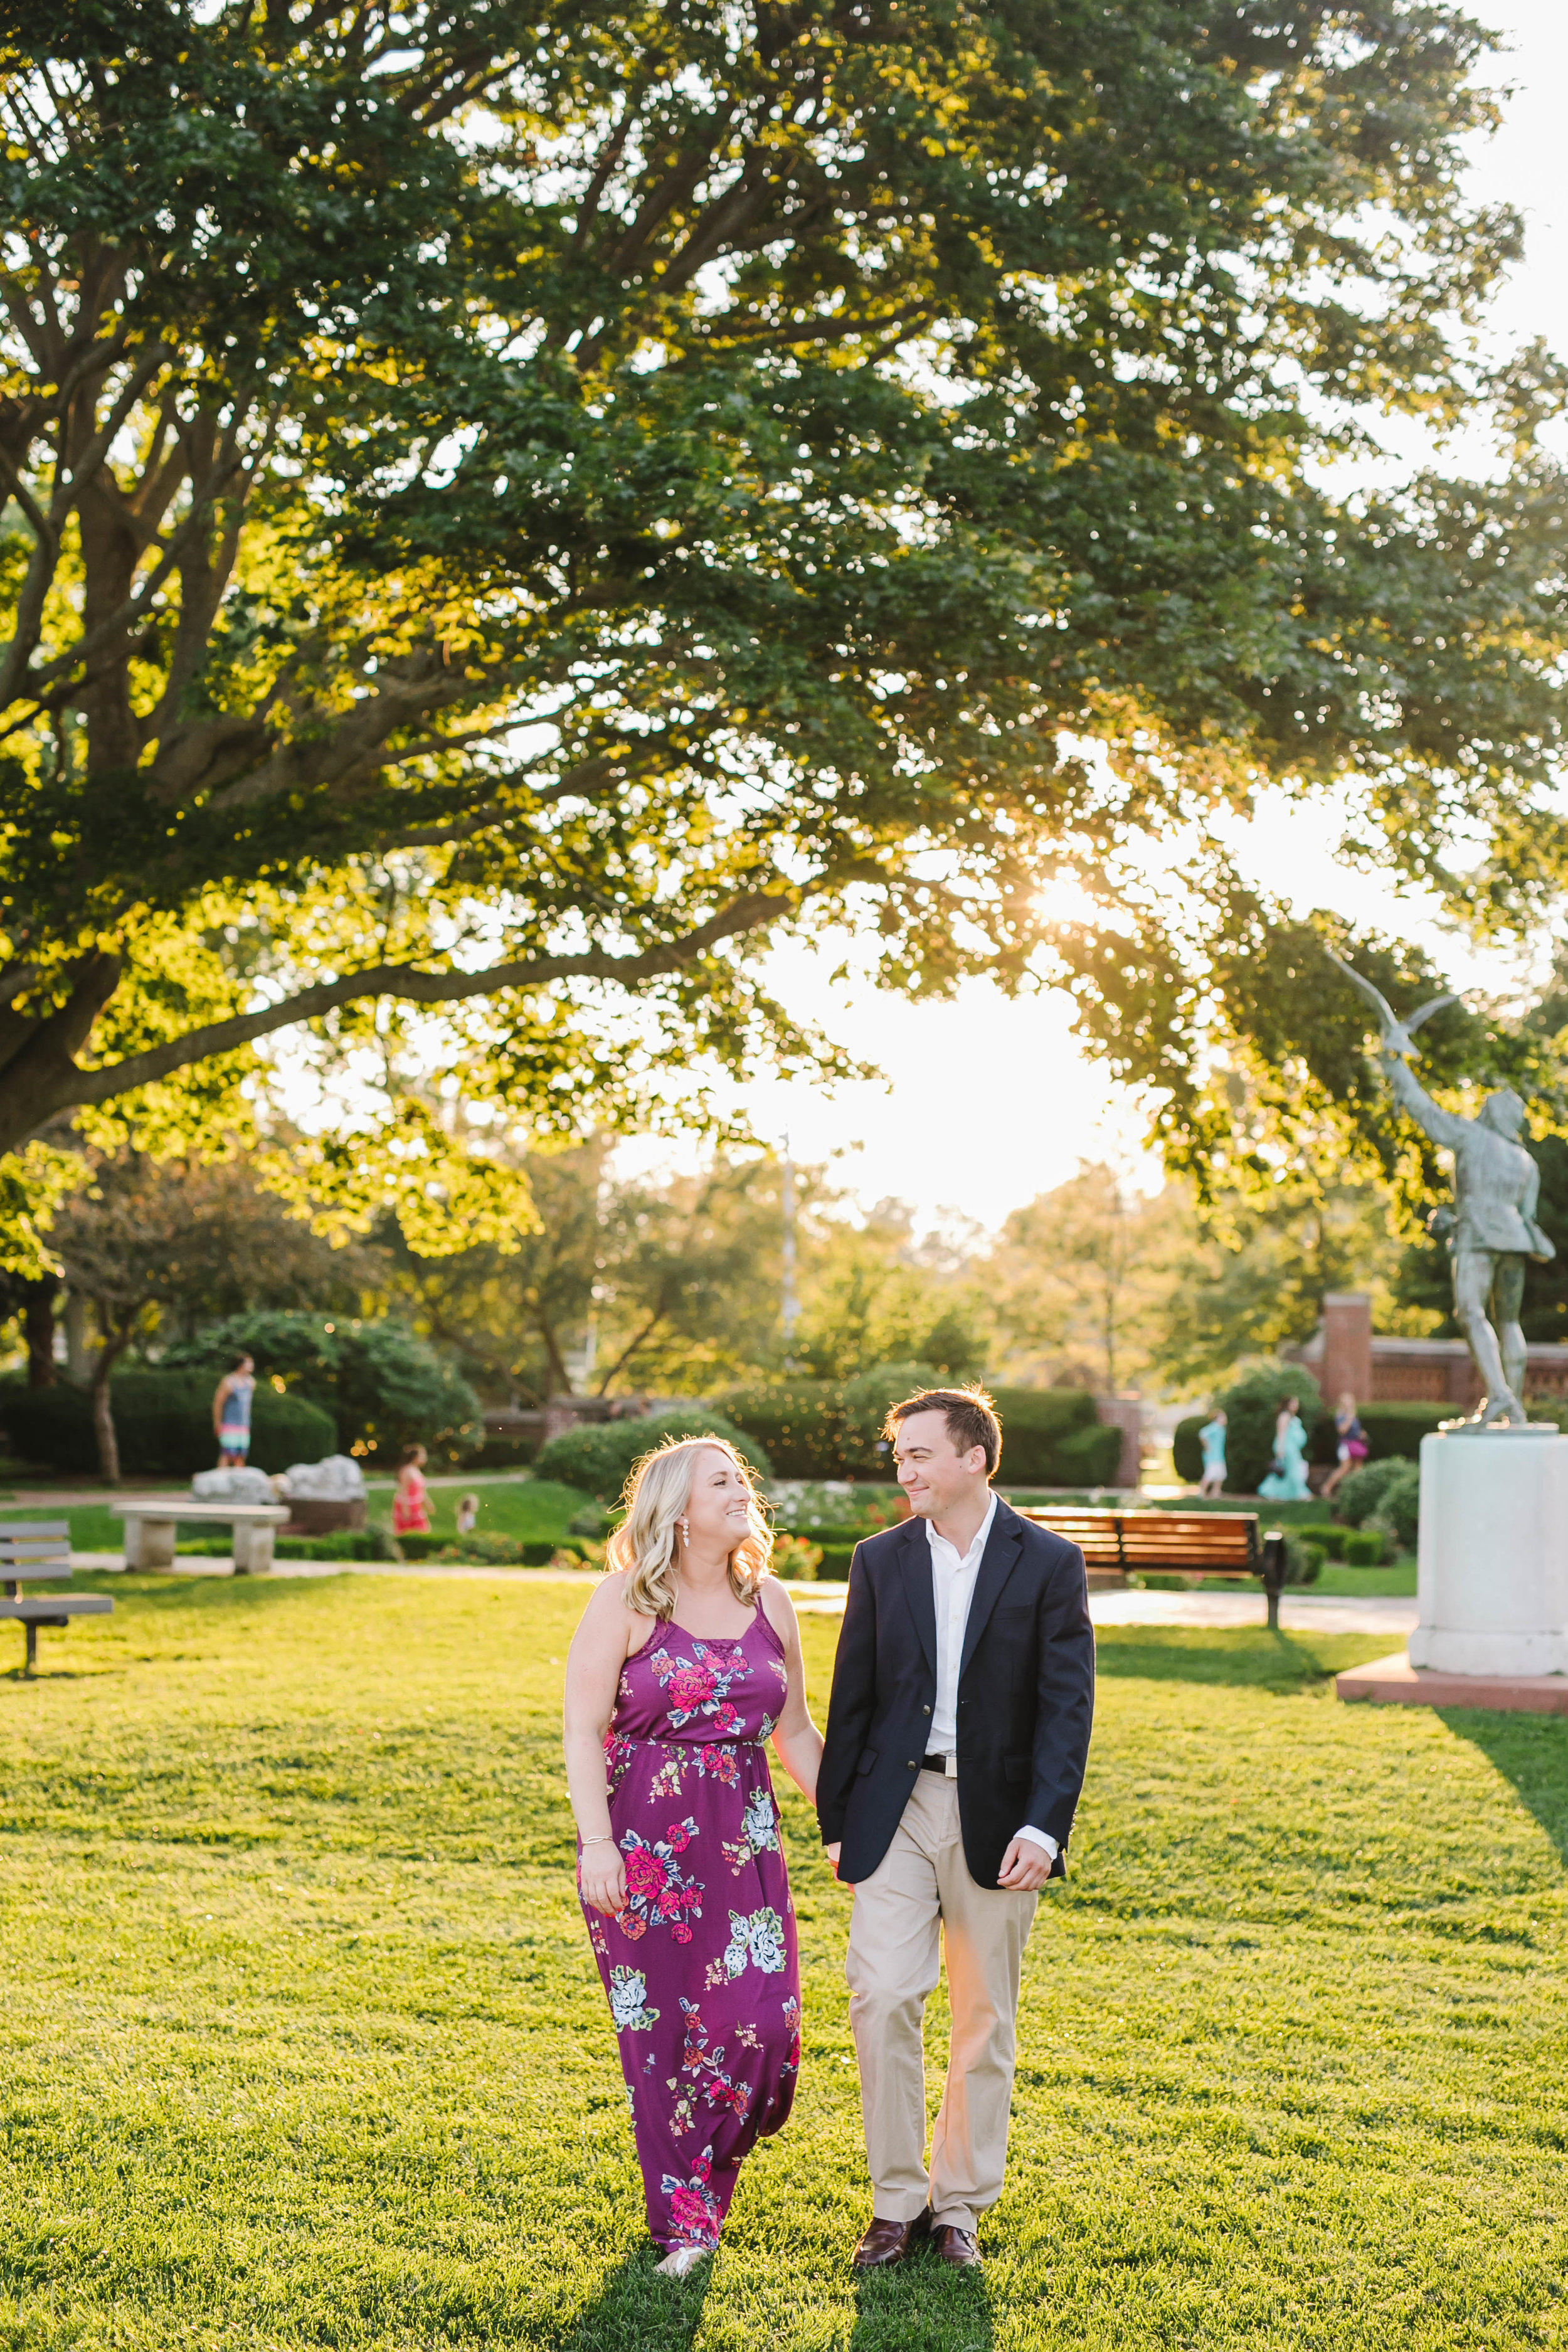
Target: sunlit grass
[{"x": 305, "y": 2048}]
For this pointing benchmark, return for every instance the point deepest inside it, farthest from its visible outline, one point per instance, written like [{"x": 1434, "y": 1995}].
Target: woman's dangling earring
[{"x": 685, "y": 1531}]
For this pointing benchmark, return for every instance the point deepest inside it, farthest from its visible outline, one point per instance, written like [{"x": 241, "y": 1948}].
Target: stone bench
[
  {"x": 39, "y": 1551},
  {"x": 152, "y": 1520}
]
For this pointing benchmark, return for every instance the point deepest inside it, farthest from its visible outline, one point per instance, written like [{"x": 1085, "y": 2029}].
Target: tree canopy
[{"x": 511, "y": 507}]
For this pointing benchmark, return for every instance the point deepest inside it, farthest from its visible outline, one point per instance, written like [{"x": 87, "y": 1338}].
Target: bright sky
[{"x": 1046, "y": 1104}]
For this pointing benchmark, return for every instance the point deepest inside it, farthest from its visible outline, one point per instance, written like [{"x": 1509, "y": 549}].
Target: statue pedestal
[{"x": 1493, "y": 1563}]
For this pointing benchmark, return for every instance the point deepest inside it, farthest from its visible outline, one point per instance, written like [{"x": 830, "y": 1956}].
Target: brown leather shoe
[
  {"x": 959, "y": 2247},
  {"x": 890, "y": 2242}
]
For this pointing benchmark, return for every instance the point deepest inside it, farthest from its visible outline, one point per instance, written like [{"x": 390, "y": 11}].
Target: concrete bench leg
[
  {"x": 150, "y": 1543},
  {"x": 252, "y": 1551}
]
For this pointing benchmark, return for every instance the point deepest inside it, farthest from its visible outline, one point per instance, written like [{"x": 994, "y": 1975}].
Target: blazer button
[
  {"x": 925, "y": 1710},
  {"x": 911, "y": 1765}
]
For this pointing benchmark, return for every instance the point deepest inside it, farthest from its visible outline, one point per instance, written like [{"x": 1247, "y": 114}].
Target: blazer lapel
[
  {"x": 1003, "y": 1548},
  {"x": 919, "y": 1589}
]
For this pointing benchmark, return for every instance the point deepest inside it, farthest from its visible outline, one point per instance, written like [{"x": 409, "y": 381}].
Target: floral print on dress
[
  {"x": 695, "y": 2212},
  {"x": 659, "y": 1893},
  {"x": 760, "y": 1938},
  {"x": 700, "y": 1685},
  {"x": 700, "y": 1969},
  {"x": 629, "y": 2001}
]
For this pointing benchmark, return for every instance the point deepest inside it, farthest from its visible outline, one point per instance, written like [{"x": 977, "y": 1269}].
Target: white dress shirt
[{"x": 952, "y": 1579}]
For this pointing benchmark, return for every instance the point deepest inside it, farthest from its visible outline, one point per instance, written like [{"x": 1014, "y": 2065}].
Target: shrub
[
  {"x": 384, "y": 1386},
  {"x": 1251, "y": 1405},
  {"x": 164, "y": 1422},
  {"x": 1357, "y": 1497},
  {"x": 824, "y": 1429},
  {"x": 1398, "y": 1512},
  {"x": 1186, "y": 1453},
  {"x": 1303, "y": 1561},
  {"x": 1330, "y": 1539},
  {"x": 1363, "y": 1546},
  {"x": 796, "y": 1559},
  {"x": 598, "y": 1457}
]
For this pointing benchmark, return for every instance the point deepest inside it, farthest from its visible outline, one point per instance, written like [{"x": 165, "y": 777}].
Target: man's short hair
[{"x": 971, "y": 1420}]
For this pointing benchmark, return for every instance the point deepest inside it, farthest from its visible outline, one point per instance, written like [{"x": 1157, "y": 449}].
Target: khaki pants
[{"x": 922, "y": 1890}]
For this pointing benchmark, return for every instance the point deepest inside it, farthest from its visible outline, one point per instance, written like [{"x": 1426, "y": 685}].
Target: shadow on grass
[
  {"x": 637, "y": 2311},
  {"x": 922, "y": 2306},
  {"x": 1249, "y": 1658},
  {"x": 1530, "y": 1751}
]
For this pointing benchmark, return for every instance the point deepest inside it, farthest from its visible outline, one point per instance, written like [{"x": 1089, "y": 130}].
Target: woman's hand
[{"x": 602, "y": 1875}]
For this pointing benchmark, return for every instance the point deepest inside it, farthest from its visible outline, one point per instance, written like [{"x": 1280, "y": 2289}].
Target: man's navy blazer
[{"x": 1025, "y": 1695}]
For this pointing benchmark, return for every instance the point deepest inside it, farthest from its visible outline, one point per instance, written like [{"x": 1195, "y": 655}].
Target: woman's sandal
[{"x": 681, "y": 2261}]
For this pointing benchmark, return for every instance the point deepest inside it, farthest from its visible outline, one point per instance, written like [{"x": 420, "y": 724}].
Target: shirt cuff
[{"x": 1041, "y": 1837}]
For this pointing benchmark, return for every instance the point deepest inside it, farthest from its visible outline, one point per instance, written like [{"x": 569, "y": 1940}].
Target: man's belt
[{"x": 946, "y": 1765}]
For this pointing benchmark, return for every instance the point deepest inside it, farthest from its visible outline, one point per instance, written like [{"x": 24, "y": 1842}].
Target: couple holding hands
[{"x": 945, "y": 1784}]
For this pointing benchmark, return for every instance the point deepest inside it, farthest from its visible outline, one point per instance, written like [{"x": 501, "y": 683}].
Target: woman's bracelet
[{"x": 599, "y": 1841}]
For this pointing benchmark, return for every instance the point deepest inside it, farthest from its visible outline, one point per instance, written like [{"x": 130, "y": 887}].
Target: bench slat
[
  {"x": 1190, "y": 1543},
  {"x": 62, "y": 1605}
]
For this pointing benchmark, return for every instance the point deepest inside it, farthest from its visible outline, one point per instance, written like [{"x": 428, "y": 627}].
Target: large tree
[{"x": 509, "y": 507}]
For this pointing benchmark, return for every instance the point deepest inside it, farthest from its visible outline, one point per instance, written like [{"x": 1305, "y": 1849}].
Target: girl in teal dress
[{"x": 1287, "y": 1479}]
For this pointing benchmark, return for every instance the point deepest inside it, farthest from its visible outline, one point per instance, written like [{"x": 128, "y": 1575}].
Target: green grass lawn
[
  {"x": 534, "y": 1509},
  {"x": 304, "y": 2045}
]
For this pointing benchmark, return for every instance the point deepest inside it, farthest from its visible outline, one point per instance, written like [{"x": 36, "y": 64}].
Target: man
[{"x": 957, "y": 1738}]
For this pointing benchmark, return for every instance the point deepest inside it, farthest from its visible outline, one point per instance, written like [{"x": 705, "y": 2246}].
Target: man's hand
[
  {"x": 833, "y": 1852},
  {"x": 1026, "y": 1867}
]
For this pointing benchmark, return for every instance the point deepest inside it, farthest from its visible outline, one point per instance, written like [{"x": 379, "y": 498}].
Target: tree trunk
[
  {"x": 39, "y": 1327},
  {"x": 79, "y": 1363},
  {"x": 114, "y": 1346},
  {"x": 104, "y": 1420}
]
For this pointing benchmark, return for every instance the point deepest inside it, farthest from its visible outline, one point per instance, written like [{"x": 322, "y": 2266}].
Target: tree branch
[{"x": 416, "y": 987}]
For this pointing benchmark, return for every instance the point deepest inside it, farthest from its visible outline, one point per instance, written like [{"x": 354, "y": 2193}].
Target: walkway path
[{"x": 1300, "y": 1612}]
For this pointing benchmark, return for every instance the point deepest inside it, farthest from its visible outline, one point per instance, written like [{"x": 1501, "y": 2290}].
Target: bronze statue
[{"x": 1491, "y": 1229}]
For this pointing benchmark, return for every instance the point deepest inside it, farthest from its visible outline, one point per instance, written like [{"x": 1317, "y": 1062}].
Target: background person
[
  {"x": 231, "y": 1412},
  {"x": 1353, "y": 1449},
  {"x": 687, "y": 1660},
  {"x": 467, "y": 1514},
  {"x": 1287, "y": 1479},
  {"x": 1211, "y": 1437},
  {"x": 410, "y": 1501},
  {"x": 957, "y": 1738}
]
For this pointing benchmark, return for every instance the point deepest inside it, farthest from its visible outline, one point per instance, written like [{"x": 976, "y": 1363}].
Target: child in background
[
  {"x": 1211, "y": 1437},
  {"x": 410, "y": 1510},
  {"x": 467, "y": 1514}
]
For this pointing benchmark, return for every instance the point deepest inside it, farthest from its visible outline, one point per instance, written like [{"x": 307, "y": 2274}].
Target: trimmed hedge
[
  {"x": 597, "y": 1457},
  {"x": 831, "y": 1429},
  {"x": 163, "y": 1422}
]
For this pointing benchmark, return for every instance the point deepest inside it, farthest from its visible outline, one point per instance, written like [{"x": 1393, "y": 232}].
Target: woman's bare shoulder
[
  {"x": 607, "y": 1608},
  {"x": 776, "y": 1602}
]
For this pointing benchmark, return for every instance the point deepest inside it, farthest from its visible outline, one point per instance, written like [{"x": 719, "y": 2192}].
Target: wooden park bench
[
  {"x": 151, "y": 1522},
  {"x": 39, "y": 1552},
  {"x": 1172, "y": 1543}
]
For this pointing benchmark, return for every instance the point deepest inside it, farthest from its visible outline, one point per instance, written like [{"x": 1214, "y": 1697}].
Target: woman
[
  {"x": 1211, "y": 1437},
  {"x": 1287, "y": 1479},
  {"x": 687, "y": 1661},
  {"x": 231, "y": 1412},
  {"x": 1353, "y": 1448},
  {"x": 410, "y": 1499}
]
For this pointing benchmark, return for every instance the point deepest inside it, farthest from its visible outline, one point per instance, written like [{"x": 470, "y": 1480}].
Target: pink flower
[
  {"x": 669, "y": 1903},
  {"x": 690, "y": 1686},
  {"x": 690, "y": 2214},
  {"x": 645, "y": 1872},
  {"x": 678, "y": 1837},
  {"x": 726, "y": 1718},
  {"x": 723, "y": 1763},
  {"x": 681, "y": 1932}
]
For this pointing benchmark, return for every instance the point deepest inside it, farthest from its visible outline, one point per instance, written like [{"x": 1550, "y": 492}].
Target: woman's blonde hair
[{"x": 646, "y": 1543}]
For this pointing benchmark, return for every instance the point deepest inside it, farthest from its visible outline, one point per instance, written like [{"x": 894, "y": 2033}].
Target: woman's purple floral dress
[{"x": 700, "y": 1967}]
